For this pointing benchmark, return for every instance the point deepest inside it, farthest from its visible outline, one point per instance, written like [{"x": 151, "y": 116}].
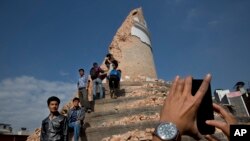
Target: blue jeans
[
  {"x": 77, "y": 127},
  {"x": 97, "y": 83}
]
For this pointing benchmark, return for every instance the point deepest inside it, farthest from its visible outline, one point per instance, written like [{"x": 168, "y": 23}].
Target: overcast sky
[{"x": 43, "y": 43}]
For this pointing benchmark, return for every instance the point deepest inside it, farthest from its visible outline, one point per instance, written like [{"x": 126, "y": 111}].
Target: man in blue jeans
[
  {"x": 75, "y": 118},
  {"x": 96, "y": 79}
]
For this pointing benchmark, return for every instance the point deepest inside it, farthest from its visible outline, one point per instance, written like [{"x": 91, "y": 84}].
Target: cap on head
[{"x": 95, "y": 64}]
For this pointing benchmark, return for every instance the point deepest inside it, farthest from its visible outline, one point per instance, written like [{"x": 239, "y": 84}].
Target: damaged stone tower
[
  {"x": 131, "y": 46},
  {"x": 136, "y": 111}
]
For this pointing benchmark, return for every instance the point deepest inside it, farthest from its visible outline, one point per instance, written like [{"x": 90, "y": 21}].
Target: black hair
[
  {"x": 95, "y": 64},
  {"x": 76, "y": 98},
  {"x": 109, "y": 55},
  {"x": 53, "y": 98},
  {"x": 81, "y": 69}
]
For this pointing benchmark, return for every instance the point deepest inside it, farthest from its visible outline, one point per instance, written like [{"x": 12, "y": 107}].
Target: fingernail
[
  {"x": 177, "y": 77},
  {"x": 208, "y": 75}
]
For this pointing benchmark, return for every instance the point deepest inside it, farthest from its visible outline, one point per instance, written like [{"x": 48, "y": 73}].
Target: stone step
[
  {"x": 96, "y": 134},
  {"x": 106, "y": 105},
  {"x": 122, "y": 91},
  {"x": 137, "y": 84},
  {"x": 98, "y": 122},
  {"x": 128, "y": 84},
  {"x": 99, "y": 119}
]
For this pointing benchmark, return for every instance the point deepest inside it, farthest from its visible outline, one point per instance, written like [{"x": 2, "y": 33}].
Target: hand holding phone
[
  {"x": 180, "y": 107},
  {"x": 205, "y": 110}
]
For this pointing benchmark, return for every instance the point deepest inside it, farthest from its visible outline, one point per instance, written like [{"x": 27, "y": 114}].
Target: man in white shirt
[{"x": 82, "y": 90}]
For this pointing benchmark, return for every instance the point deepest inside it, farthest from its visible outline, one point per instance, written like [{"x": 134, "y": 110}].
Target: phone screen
[{"x": 205, "y": 111}]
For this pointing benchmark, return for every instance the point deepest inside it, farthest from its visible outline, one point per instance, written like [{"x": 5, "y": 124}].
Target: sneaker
[{"x": 89, "y": 110}]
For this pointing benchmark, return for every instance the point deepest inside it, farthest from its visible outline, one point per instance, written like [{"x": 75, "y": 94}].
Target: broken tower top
[{"x": 131, "y": 46}]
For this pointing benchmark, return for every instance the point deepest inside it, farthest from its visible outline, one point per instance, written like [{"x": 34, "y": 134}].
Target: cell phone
[{"x": 205, "y": 110}]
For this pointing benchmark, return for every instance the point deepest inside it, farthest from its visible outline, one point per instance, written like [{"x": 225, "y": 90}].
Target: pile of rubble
[
  {"x": 153, "y": 93},
  {"x": 131, "y": 120},
  {"x": 134, "y": 135},
  {"x": 147, "y": 135},
  {"x": 149, "y": 89},
  {"x": 35, "y": 136},
  {"x": 150, "y": 101}
]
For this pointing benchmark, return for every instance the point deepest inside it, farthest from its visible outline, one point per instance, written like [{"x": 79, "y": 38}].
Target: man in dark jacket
[
  {"x": 75, "y": 117},
  {"x": 55, "y": 126}
]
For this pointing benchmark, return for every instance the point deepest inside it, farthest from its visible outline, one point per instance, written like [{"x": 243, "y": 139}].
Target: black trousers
[{"x": 113, "y": 82}]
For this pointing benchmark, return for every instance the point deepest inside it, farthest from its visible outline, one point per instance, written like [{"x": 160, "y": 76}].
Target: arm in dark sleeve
[
  {"x": 119, "y": 75},
  {"x": 101, "y": 70},
  {"x": 65, "y": 130},
  {"x": 43, "y": 133},
  {"x": 82, "y": 114},
  {"x": 68, "y": 114}
]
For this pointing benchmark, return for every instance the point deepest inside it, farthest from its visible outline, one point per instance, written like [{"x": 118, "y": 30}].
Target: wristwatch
[{"x": 167, "y": 131}]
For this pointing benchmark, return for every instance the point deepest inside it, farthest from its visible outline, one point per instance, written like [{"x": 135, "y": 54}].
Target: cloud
[
  {"x": 192, "y": 14},
  {"x": 192, "y": 20},
  {"x": 62, "y": 73},
  {"x": 23, "y": 100},
  {"x": 213, "y": 23}
]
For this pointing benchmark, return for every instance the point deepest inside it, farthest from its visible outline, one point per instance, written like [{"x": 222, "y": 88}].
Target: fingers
[
  {"x": 230, "y": 119},
  {"x": 219, "y": 124},
  {"x": 188, "y": 85},
  {"x": 174, "y": 85},
  {"x": 224, "y": 126},
  {"x": 211, "y": 138},
  {"x": 203, "y": 88},
  {"x": 170, "y": 93},
  {"x": 180, "y": 86}
]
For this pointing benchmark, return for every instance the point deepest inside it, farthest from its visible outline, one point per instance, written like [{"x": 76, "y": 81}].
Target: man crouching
[{"x": 75, "y": 117}]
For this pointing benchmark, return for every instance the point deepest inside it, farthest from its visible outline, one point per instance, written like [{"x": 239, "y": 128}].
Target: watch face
[{"x": 167, "y": 131}]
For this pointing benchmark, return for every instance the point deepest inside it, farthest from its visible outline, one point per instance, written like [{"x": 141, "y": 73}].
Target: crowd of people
[
  {"x": 179, "y": 109},
  {"x": 55, "y": 126},
  {"x": 91, "y": 85}
]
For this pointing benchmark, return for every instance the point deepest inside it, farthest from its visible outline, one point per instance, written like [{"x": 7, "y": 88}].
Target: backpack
[{"x": 94, "y": 73}]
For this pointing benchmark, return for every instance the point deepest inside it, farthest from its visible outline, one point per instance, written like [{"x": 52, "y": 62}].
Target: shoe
[{"x": 89, "y": 110}]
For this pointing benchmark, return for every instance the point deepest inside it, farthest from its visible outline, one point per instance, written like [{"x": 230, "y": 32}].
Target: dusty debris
[
  {"x": 149, "y": 101},
  {"x": 131, "y": 119},
  {"x": 135, "y": 135},
  {"x": 35, "y": 136}
]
